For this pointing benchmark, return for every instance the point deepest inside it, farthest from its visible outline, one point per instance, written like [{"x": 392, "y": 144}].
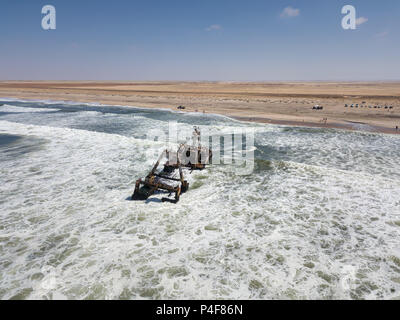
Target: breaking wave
[{"x": 317, "y": 219}]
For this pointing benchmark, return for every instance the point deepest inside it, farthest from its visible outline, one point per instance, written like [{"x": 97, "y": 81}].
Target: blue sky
[{"x": 199, "y": 40}]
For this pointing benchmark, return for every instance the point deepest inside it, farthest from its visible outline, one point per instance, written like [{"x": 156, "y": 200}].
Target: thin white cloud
[
  {"x": 214, "y": 27},
  {"x": 361, "y": 20},
  {"x": 290, "y": 12},
  {"x": 381, "y": 34}
]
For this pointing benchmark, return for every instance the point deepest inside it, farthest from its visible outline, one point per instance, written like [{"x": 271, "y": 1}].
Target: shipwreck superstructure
[{"x": 171, "y": 178}]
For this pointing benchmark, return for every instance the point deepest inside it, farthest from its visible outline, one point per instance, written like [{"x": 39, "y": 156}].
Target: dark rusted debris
[{"x": 192, "y": 157}]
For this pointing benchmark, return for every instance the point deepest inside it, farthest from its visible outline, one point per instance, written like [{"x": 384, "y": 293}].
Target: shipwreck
[{"x": 171, "y": 178}]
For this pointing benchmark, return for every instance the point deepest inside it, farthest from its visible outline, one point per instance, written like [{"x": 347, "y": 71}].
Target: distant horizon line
[{"x": 211, "y": 81}]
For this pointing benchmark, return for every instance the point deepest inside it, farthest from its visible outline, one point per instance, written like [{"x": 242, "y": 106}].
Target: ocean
[{"x": 317, "y": 218}]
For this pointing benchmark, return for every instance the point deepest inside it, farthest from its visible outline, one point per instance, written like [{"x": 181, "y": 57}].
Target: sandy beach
[{"x": 288, "y": 103}]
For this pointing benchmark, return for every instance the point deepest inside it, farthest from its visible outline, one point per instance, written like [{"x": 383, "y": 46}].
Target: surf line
[{"x": 173, "y": 310}]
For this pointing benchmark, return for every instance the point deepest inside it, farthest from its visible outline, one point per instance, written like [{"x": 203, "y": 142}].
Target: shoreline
[
  {"x": 341, "y": 126},
  {"x": 362, "y": 127},
  {"x": 287, "y": 104}
]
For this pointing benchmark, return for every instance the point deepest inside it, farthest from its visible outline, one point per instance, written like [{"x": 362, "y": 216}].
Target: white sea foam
[
  {"x": 16, "y": 109},
  {"x": 318, "y": 218}
]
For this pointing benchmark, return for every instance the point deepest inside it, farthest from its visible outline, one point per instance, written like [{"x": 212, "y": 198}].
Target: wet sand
[{"x": 288, "y": 103}]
